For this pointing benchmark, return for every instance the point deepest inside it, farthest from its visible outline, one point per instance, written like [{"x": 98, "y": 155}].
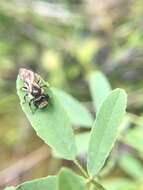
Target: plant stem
[
  {"x": 90, "y": 180},
  {"x": 97, "y": 185},
  {"x": 81, "y": 169}
]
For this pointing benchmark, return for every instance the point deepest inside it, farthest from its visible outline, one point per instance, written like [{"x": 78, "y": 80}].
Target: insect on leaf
[
  {"x": 105, "y": 129},
  {"x": 51, "y": 123}
]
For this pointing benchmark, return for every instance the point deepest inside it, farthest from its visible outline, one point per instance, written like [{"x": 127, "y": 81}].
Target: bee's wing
[{"x": 27, "y": 76}]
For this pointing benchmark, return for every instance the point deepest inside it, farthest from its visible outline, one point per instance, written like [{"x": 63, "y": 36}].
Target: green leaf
[
  {"x": 120, "y": 184},
  {"x": 131, "y": 166},
  {"x": 10, "y": 188},
  {"x": 105, "y": 130},
  {"x": 51, "y": 124},
  {"x": 77, "y": 113},
  {"x": 134, "y": 138},
  {"x": 70, "y": 181},
  {"x": 99, "y": 87},
  {"x": 46, "y": 183},
  {"x": 82, "y": 141}
]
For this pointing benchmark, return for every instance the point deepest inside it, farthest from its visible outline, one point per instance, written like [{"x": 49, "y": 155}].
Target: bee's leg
[
  {"x": 24, "y": 89},
  {"x": 47, "y": 96},
  {"x": 41, "y": 86},
  {"x": 25, "y": 96},
  {"x": 31, "y": 102},
  {"x": 38, "y": 82},
  {"x": 30, "y": 105}
]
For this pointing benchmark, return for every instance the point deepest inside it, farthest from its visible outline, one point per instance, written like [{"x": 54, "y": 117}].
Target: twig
[{"x": 11, "y": 173}]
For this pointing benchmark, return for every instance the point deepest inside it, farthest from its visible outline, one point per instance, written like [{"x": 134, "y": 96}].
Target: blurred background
[{"x": 65, "y": 41}]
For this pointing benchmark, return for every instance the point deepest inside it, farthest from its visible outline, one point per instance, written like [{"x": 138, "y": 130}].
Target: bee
[{"x": 34, "y": 90}]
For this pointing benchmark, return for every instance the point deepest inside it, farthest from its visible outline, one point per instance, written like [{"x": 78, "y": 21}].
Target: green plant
[{"x": 54, "y": 126}]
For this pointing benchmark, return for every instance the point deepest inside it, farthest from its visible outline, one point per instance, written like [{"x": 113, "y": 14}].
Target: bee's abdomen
[{"x": 41, "y": 101}]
